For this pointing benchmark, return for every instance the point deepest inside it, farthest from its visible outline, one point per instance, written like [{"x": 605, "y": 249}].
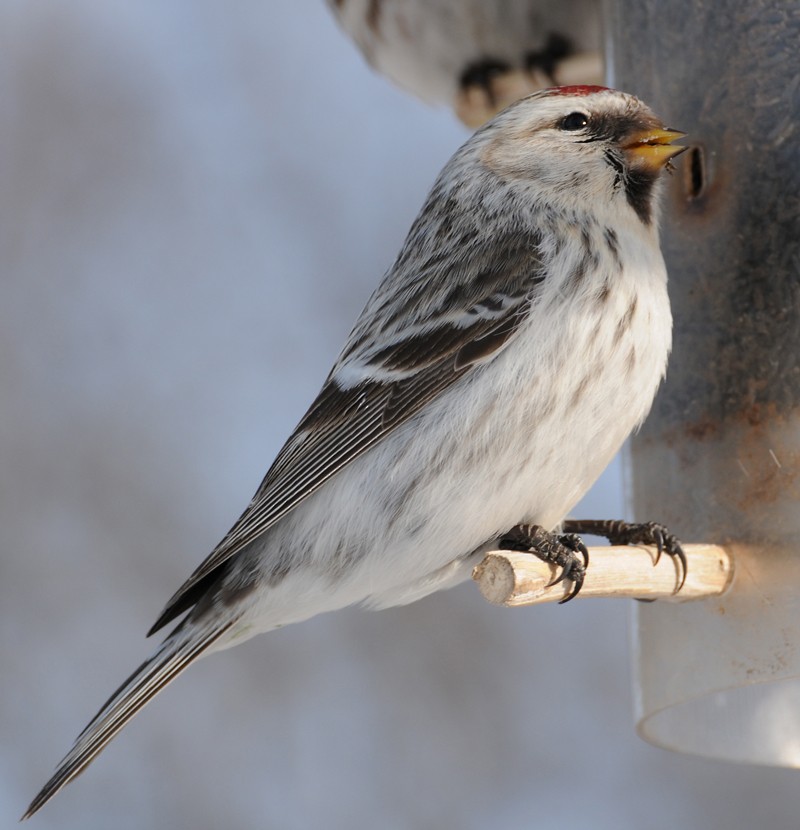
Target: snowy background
[{"x": 196, "y": 199}]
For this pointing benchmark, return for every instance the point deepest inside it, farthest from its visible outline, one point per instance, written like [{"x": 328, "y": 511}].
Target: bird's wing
[{"x": 374, "y": 388}]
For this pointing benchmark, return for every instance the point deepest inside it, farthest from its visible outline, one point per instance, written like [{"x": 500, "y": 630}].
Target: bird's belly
[
  {"x": 514, "y": 448},
  {"x": 521, "y": 440}
]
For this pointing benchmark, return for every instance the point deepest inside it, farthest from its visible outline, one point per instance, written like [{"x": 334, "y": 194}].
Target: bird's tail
[{"x": 180, "y": 649}]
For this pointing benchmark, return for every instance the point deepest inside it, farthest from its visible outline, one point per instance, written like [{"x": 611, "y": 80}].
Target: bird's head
[{"x": 580, "y": 146}]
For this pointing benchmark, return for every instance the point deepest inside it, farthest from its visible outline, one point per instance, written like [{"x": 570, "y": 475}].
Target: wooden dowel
[{"x": 510, "y": 578}]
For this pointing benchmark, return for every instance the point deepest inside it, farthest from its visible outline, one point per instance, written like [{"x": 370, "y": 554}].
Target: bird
[
  {"x": 518, "y": 338},
  {"x": 475, "y": 56}
]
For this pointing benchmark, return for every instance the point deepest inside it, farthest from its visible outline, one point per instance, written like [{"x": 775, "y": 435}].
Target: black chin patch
[
  {"x": 637, "y": 181},
  {"x": 638, "y": 186}
]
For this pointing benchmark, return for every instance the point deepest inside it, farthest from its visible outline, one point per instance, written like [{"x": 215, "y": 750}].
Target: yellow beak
[{"x": 653, "y": 148}]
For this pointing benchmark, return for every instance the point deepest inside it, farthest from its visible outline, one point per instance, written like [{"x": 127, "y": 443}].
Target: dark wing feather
[{"x": 343, "y": 423}]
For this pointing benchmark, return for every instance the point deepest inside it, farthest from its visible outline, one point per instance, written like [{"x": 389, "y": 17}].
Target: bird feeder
[{"x": 718, "y": 459}]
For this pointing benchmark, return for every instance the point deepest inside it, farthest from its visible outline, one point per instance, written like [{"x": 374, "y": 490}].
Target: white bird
[
  {"x": 473, "y": 55},
  {"x": 513, "y": 345}
]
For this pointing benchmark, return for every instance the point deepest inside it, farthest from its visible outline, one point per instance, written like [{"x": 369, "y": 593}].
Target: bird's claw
[
  {"x": 545, "y": 60},
  {"x": 565, "y": 551},
  {"x": 654, "y": 533},
  {"x": 636, "y": 533},
  {"x": 483, "y": 75}
]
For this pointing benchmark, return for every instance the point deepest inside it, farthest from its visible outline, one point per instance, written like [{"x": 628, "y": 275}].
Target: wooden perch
[{"x": 510, "y": 578}]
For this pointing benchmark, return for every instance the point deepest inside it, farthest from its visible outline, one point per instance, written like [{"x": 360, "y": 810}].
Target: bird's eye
[{"x": 574, "y": 121}]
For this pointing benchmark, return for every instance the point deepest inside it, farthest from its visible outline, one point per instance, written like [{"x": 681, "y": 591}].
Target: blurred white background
[{"x": 196, "y": 198}]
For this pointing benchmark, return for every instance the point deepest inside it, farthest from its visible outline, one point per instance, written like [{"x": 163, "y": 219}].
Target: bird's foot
[
  {"x": 634, "y": 533},
  {"x": 558, "y": 63},
  {"x": 488, "y": 86},
  {"x": 546, "y": 60},
  {"x": 484, "y": 74},
  {"x": 564, "y": 550}
]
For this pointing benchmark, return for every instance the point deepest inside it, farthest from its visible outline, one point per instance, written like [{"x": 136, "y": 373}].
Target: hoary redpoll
[
  {"x": 474, "y": 55},
  {"x": 515, "y": 342}
]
